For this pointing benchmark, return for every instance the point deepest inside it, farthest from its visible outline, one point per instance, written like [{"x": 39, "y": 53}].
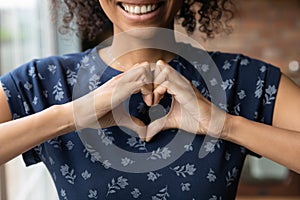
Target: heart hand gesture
[{"x": 190, "y": 111}]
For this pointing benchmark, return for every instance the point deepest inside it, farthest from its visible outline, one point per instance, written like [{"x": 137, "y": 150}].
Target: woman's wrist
[
  {"x": 236, "y": 129},
  {"x": 65, "y": 115},
  {"x": 231, "y": 122}
]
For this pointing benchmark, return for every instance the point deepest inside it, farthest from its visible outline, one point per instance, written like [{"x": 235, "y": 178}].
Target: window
[{"x": 26, "y": 32}]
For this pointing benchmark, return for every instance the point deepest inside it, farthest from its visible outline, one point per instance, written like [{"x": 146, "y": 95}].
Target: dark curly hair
[{"x": 213, "y": 17}]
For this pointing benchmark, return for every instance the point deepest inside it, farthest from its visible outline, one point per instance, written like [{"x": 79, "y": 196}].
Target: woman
[{"x": 49, "y": 127}]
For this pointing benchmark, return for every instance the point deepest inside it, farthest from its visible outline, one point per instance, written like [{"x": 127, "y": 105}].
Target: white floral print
[
  {"x": 153, "y": 176},
  {"x": 52, "y": 69},
  {"x": 86, "y": 175},
  {"x": 77, "y": 166},
  {"x": 163, "y": 153},
  {"x": 94, "y": 81},
  {"x": 71, "y": 77},
  {"x": 184, "y": 170},
  {"x": 259, "y": 88},
  {"x": 162, "y": 195},
  {"x": 68, "y": 173},
  {"x": 185, "y": 187},
  {"x": 136, "y": 193},
  {"x": 137, "y": 143},
  {"x": 27, "y": 85},
  {"x": 63, "y": 194},
  {"x": 270, "y": 94},
  {"x": 93, "y": 194},
  {"x": 126, "y": 161},
  {"x": 232, "y": 176},
  {"x": 242, "y": 94},
  {"x": 31, "y": 72},
  {"x": 116, "y": 185},
  {"x": 58, "y": 91},
  {"x": 188, "y": 147},
  {"x": 211, "y": 176}
]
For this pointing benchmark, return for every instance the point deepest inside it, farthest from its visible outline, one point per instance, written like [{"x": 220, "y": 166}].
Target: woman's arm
[
  {"x": 280, "y": 142},
  {"x": 20, "y": 135},
  {"x": 91, "y": 110}
]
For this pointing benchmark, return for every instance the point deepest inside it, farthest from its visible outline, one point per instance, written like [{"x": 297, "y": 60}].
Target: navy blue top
[{"x": 112, "y": 164}]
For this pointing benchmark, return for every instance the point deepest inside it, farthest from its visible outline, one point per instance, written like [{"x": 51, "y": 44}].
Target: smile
[{"x": 139, "y": 9}]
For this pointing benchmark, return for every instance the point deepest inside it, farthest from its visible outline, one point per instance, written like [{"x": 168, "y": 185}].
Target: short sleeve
[
  {"x": 251, "y": 86},
  {"x": 256, "y": 84},
  {"x": 40, "y": 84},
  {"x": 272, "y": 81},
  {"x": 18, "y": 104}
]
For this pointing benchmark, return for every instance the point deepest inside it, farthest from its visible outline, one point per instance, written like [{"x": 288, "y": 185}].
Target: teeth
[
  {"x": 139, "y": 9},
  {"x": 143, "y": 9}
]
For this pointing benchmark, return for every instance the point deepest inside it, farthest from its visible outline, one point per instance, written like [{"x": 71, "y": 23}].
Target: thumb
[
  {"x": 135, "y": 125},
  {"x": 148, "y": 99},
  {"x": 139, "y": 128},
  {"x": 155, "y": 127},
  {"x": 122, "y": 118}
]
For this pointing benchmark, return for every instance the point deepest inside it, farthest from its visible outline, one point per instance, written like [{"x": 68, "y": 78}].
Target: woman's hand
[
  {"x": 190, "y": 111},
  {"x": 104, "y": 106}
]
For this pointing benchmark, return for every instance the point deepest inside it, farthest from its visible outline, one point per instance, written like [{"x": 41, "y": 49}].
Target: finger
[
  {"x": 158, "y": 93},
  {"x": 133, "y": 81},
  {"x": 147, "y": 96},
  {"x": 140, "y": 129},
  {"x": 135, "y": 125},
  {"x": 119, "y": 120},
  {"x": 157, "y": 71},
  {"x": 155, "y": 127},
  {"x": 147, "y": 89},
  {"x": 160, "y": 76},
  {"x": 161, "y": 73},
  {"x": 164, "y": 123},
  {"x": 135, "y": 73},
  {"x": 123, "y": 118},
  {"x": 181, "y": 90},
  {"x": 171, "y": 74}
]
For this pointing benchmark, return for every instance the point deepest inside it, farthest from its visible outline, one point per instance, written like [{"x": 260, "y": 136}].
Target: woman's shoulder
[
  {"x": 225, "y": 61},
  {"x": 50, "y": 67},
  {"x": 71, "y": 61}
]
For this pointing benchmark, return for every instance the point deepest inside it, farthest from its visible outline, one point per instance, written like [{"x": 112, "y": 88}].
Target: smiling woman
[{"x": 88, "y": 116}]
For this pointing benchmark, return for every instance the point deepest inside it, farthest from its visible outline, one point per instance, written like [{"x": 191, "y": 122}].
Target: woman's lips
[
  {"x": 140, "y": 12},
  {"x": 139, "y": 9}
]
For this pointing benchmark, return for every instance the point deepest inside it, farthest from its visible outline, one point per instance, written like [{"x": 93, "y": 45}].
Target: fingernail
[
  {"x": 145, "y": 63},
  {"x": 148, "y": 139},
  {"x": 148, "y": 99},
  {"x": 156, "y": 100},
  {"x": 160, "y": 62}
]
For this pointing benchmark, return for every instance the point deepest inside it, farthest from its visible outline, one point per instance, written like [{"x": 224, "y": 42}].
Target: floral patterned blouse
[{"x": 113, "y": 163}]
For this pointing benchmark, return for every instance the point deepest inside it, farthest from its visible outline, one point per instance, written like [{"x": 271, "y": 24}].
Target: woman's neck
[{"x": 128, "y": 49}]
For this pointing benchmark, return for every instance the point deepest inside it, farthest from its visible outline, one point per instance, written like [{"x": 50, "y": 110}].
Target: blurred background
[{"x": 265, "y": 29}]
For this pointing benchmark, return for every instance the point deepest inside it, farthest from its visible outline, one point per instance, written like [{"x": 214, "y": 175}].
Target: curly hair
[{"x": 212, "y": 16}]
